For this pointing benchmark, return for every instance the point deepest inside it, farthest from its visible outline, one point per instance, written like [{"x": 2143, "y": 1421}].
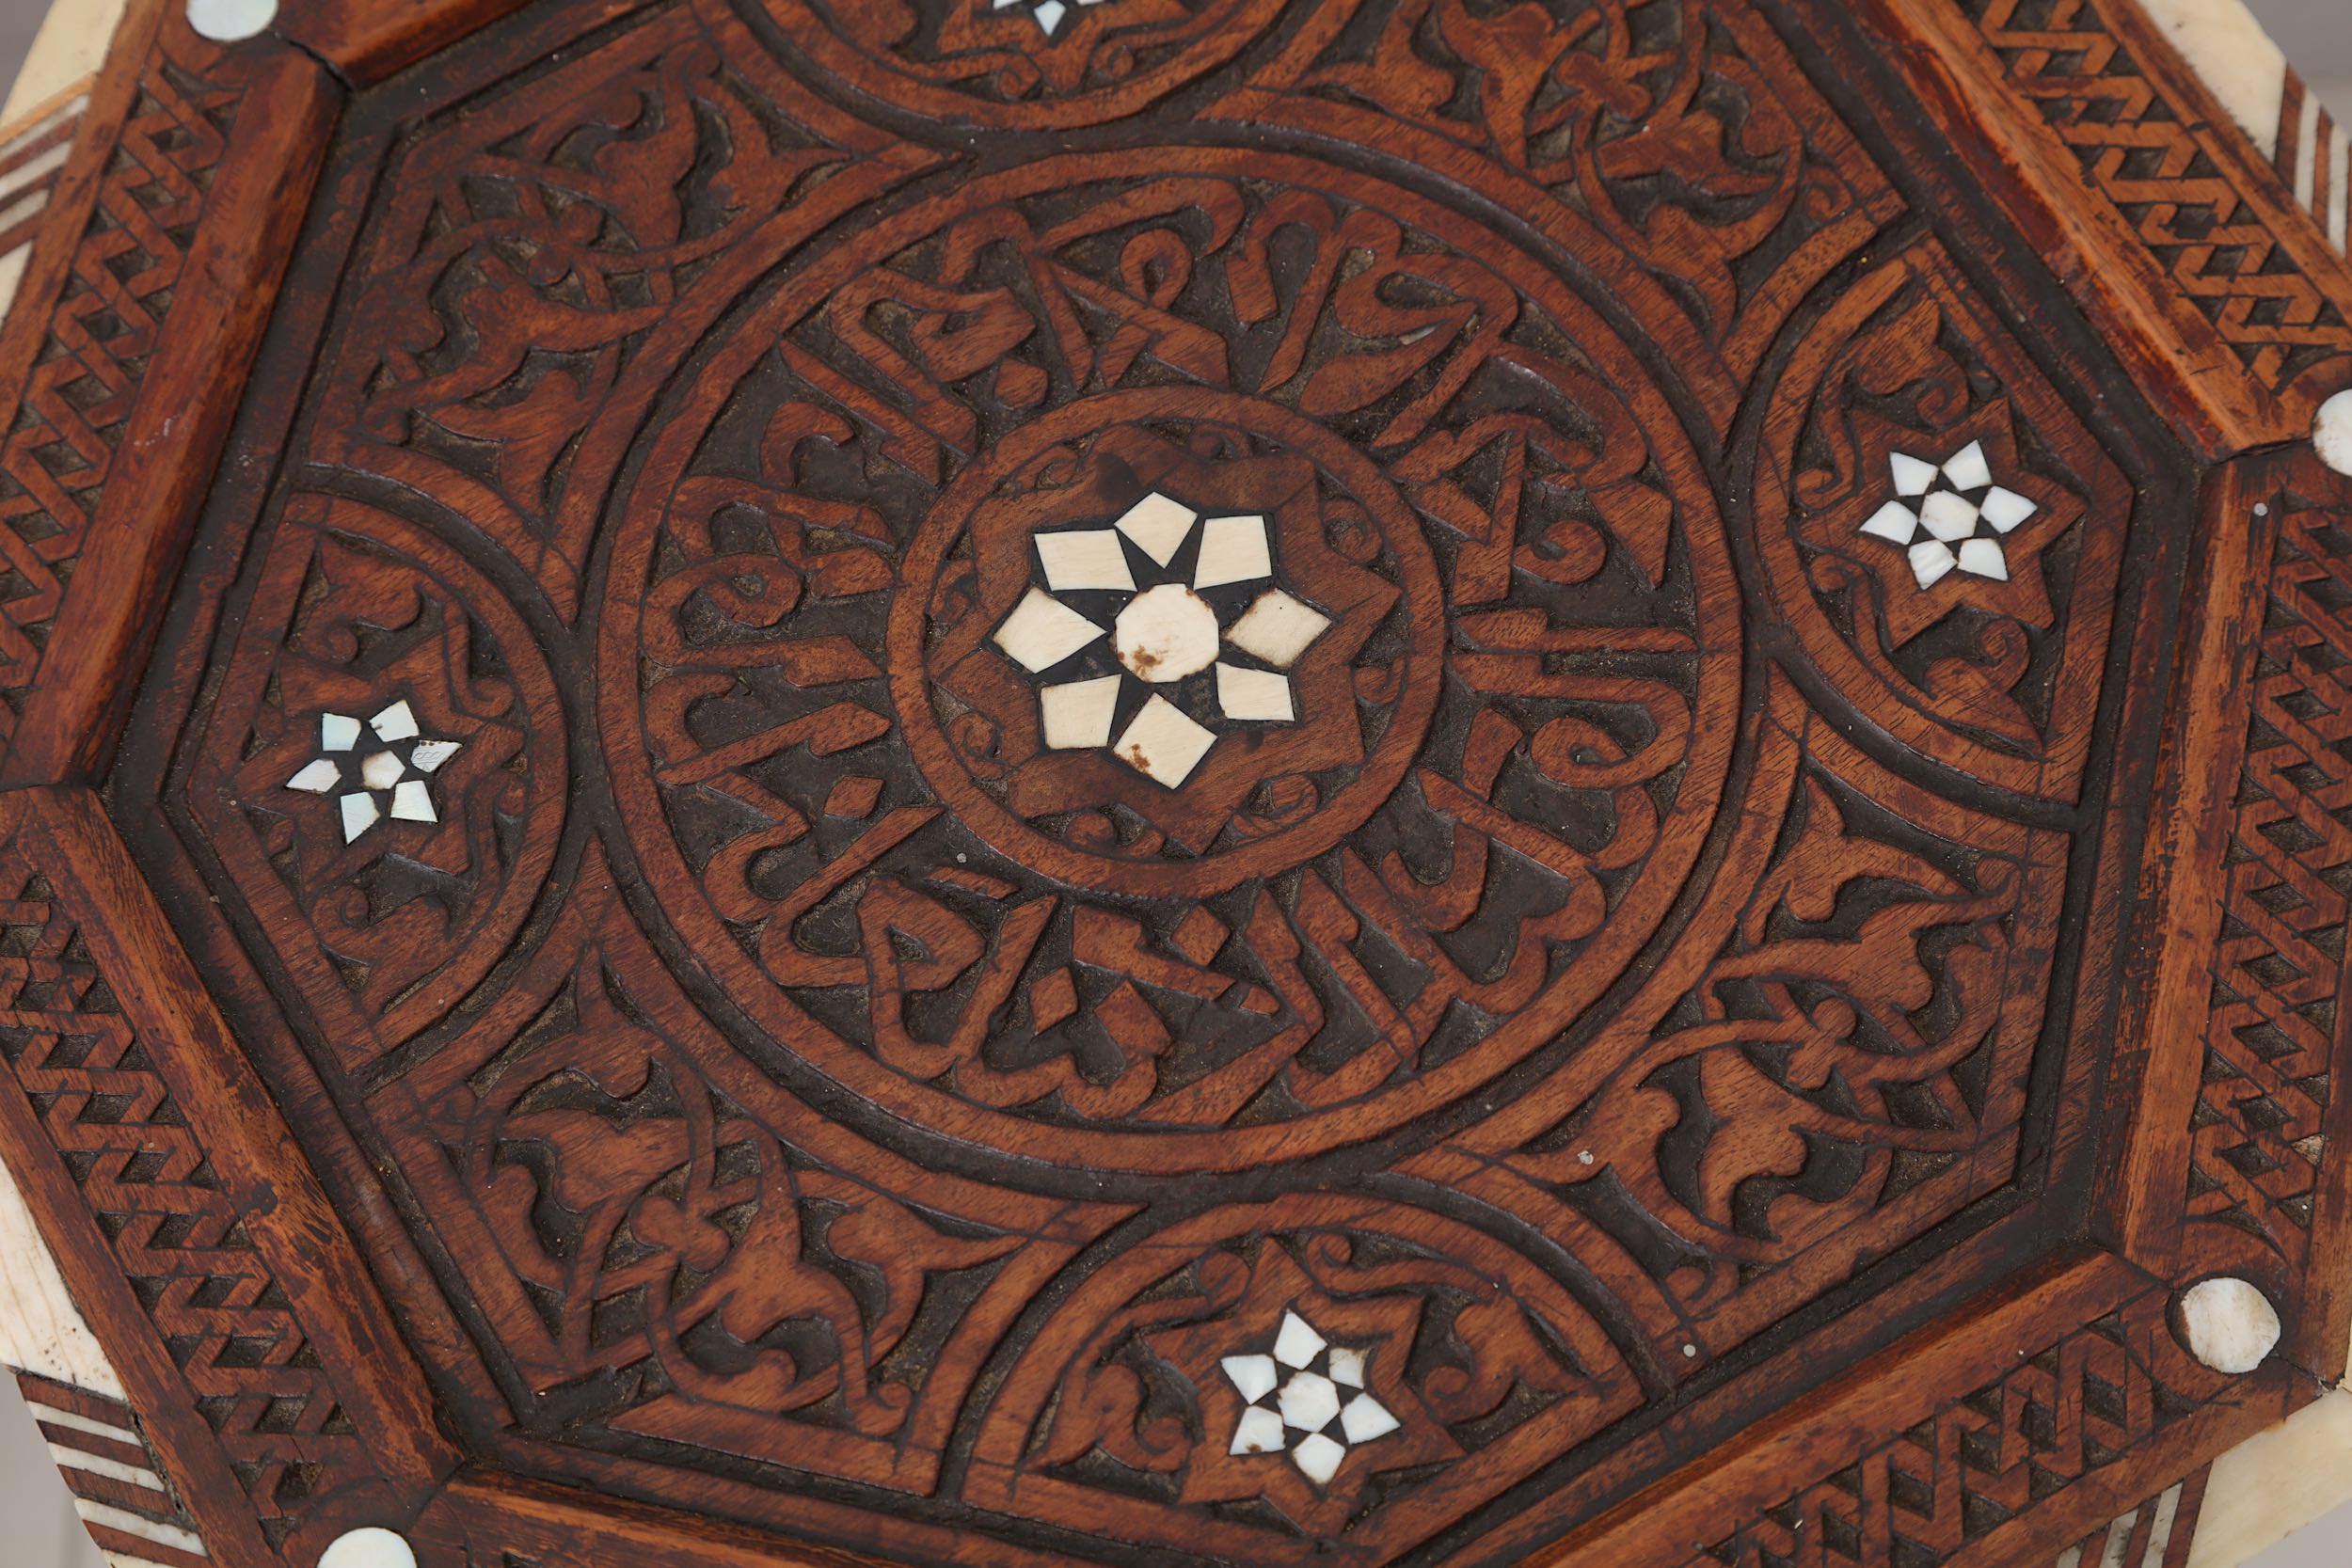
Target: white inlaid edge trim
[
  {"x": 2224, "y": 44},
  {"x": 41, "y": 1331}
]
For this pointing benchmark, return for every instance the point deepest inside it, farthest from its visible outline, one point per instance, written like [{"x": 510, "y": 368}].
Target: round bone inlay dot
[
  {"x": 230, "y": 20},
  {"x": 368, "y": 1548},
  {"x": 1166, "y": 633},
  {"x": 2232, "y": 1326},
  {"x": 2331, "y": 433}
]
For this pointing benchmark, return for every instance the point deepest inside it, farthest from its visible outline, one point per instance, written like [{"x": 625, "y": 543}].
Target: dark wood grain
[{"x": 1723, "y": 872}]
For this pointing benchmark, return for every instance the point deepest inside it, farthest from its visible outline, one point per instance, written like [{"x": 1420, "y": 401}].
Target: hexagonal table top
[{"x": 1172, "y": 781}]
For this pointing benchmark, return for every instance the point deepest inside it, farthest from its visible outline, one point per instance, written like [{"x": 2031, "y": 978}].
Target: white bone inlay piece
[
  {"x": 1968, "y": 468},
  {"x": 381, "y": 770},
  {"x": 359, "y": 813},
  {"x": 1254, "y": 1375},
  {"x": 1260, "y": 1431},
  {"x": 1277, "y": 629},
  {"x": 1913, "y": 476},
  {"x": 2230, "y": 1325},
  {"x": 41, "y": 1330},
  {"x": 319, "y": 778},
  {"x": 1298, "y": 1343},
  {"x": 413, "y": 802},
  {"x": 1090, "y": 558},
  {"x": 1159, "y": 525},
  {"x": 1309, "y": 1401},
  {"x": 2006, "y": 509},
  {"x": 1366, "y": 1419},
  {"x": 1254, "y": 694},
  {"x": 1166, "y": 634},
  {"x": 1319, "y": 1458},
  {"x": 1984, "y": 557},
  {"x": 396, "y": 722},
  {"x": 1893, "y": 521},
  {"x": 338, "y": 731},
  {"x": 1306, "y": 1399},
  {"x": 2331, "y": 433},
  {"x": 1931, "y": 561},
  {"x": 430, "y": 754},
  {"x": 1042, "y": 631},
  {"x": 1949, "y": 516},
  {"x": 368, "y": 1548},
  {"x": 1233, "y": 549},
  {"x": 231, "y": 21},
  {"x": 1078, "y": 714},
  {"x": 1164, "y": 744}
]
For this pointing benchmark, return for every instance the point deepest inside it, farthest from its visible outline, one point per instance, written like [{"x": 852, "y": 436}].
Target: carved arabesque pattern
[
  {"x": 1659, "y": 121},
  {"x": 1033, "y": 324},
  {"x": 682, "y": 467}
]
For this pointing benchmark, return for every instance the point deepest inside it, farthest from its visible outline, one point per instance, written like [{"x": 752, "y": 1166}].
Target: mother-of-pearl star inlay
[
  {"x": 1950, "y": 518},
  {"x": 1308, "y": 1399},
  {"x": 376, "y": 768}
]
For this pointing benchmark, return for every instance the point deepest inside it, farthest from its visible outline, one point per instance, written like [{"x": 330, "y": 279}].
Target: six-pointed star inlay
[
  {"x": 1950, "y": 516},
  {"x": 1157, "y": 633},
  {"x": 1306, "y": 1398},
  {"x": 376, "y": 768}
]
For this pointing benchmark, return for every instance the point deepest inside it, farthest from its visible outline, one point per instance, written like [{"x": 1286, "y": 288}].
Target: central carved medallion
[{"x": 1266, "y": 712}]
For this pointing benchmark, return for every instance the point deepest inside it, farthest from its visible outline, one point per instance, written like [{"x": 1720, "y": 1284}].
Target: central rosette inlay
[
  {"x": 1183, "y": 595},
  {"x": 1167, "y": 633}
]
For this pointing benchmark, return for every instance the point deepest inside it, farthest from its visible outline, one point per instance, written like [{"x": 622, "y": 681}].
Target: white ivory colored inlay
[
  {"x": 72, "y": 1421},
  {"x": 1158, "y": 524},
  {"x": 99, "y": 1465},
  {"x": 1164, "y": 744},
  {"x": 1089, "y": 558},
  {"x": 1277, "y": 629},
  {"x": 1258, "y": 694},
  {"x": 70, "y": 46},
  {"x": 2231, "y": 1325},
  {"x": 413, "y": 802},
  {"x": 1078, "y": 714},
  {"x": 2331, "y": 433},
  {"x": 1306, "y": 1399},
  {"x": 368, "y": 1548},
  {"x": 141, "y": 1527},
  {"x": 1233, "y": 549},
  {"x": 1042, "y": 631},
  {"x": 231, "y": 21},
  {"x": 2275, "y": 1482},
  {"x": 1165, "y": 634},
  {"x": 2225, "y": 46},
  {"x": 41, "y": 1331}
]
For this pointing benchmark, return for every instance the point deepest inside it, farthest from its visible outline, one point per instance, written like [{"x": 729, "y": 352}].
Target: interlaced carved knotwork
[
  {"x": 2152, "y": 164},
  {"x": 92, "y": 361},
  {"x": 148, "y": 1179},
  {"x": 2256, "y": 1142}
]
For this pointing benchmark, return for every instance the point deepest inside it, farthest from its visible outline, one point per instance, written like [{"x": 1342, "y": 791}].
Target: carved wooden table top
[{"x": 1173, "y": 782}]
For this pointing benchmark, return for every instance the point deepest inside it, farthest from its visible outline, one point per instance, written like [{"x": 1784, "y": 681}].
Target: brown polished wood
[{"x": 874, "y": 781}]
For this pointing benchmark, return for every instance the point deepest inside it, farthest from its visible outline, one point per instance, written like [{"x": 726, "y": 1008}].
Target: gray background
[{"x": 37, "y": 1516}]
